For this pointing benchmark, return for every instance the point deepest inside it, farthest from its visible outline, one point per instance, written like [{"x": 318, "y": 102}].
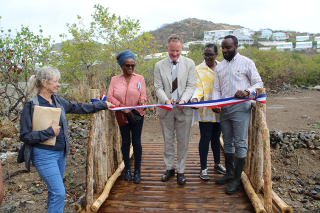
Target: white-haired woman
[{"x": 50, "y": 160}]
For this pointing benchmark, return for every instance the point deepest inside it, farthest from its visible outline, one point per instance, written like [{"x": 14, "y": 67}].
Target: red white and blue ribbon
[
  {"x": 208, "y": 104},
  {"x": 167, "y": 107},
  {"x": 102, "y": 98}
]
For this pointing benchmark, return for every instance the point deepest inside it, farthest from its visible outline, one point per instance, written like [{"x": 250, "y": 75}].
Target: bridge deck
[{"x": 152, "y": 195}]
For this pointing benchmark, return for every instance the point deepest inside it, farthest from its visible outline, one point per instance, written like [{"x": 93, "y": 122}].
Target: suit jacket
[{"x": 163, "y": 82}]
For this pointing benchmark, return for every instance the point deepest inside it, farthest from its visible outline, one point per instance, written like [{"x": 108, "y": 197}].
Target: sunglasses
[
  {"x": 209, "y": 55},
  {"x": 130, "y": 65}
]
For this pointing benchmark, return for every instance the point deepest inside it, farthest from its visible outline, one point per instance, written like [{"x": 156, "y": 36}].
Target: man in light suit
[{"x": 175, "y": 82}]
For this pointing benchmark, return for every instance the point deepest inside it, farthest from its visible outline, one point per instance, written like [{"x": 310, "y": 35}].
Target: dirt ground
[{"x": 26, "y": 192}]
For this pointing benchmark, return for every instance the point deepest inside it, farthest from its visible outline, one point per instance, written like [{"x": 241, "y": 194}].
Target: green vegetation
[
  {"x": 20, "y": 55},
  {"x": 88, "y": 60},
  {"x": 32, "y": 189},
  {"x": 276, "y": 67},
  {"x": 316, "y": 126}
]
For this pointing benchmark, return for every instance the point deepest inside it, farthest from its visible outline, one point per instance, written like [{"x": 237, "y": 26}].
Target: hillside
[{"x": 190, "y": 29}]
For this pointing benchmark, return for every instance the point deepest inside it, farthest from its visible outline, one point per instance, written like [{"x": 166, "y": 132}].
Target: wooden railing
[
  {"x": 256, "y": 177},
  {"x": 104, "y": 161},
  {"x": 104, "y": 158}
]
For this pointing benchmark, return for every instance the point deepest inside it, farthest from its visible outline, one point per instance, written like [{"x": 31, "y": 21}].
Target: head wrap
[{"x": 123, "y": 56}]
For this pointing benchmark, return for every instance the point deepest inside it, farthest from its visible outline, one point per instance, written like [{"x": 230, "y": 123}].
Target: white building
[
  {"x": 318, "y": 45},
  {"x": 266, "y": 33},
  {"x": 284, "y": 46},
  {"x": 186, "y": 45},
  {"x": 303, "y": 45},
  {"x": 279, "y": 36},
  {"x": 264, "y": 48},
  {"x": 317, "y": 39},
  {"x": 302, "y": 38},
  {"x": 216, "y": 35},
  {"x": 245, "y": 40}
]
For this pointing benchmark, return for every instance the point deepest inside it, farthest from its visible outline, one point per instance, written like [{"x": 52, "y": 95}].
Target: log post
[
  {"x": 109, "y": 137},
  {"x": 94, "y": 94},
  {"x": 257, "y": 171},
  {"x": 266, "y": 153},
  {"x": 253, "y": 144},
  {"x": 89, "y": 178},
  {"x": 250, "y": 141},
  {"x": 100, "y": 154}
]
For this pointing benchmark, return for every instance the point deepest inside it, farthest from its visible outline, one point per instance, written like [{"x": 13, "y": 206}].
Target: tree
[
  {"x": 20, "y": 56},
  {"x": 90, "y": 56}
]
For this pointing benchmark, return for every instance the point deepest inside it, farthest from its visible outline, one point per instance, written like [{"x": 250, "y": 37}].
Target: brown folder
[{"x": 42, "y": 119}]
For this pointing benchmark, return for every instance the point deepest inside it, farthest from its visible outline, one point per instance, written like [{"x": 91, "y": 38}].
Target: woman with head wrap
[
  {"x": 50, "y": 161},
  {"x": 129, "y": 89}
]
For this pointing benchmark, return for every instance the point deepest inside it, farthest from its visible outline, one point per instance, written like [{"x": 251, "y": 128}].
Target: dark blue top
[
  {"x": 60, "y": 141},
  {"x": 30, "y": 138}
]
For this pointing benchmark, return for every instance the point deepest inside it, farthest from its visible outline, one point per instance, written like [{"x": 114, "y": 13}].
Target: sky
[{"x": 295, "y": 15}]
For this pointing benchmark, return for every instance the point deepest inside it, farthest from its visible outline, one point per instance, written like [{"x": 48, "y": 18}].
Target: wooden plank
[{"x": 152, "y": 195}]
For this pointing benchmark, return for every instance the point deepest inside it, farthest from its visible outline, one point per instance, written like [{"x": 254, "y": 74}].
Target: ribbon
[
  {"x": 167, "y": 107},
  {"x": 208, "y": 104},
  {"x": 102, "y": 98}
]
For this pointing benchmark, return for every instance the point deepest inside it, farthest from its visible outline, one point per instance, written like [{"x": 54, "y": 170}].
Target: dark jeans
[
  {"x": 136, "y": 143},
  {"x": 209, "y": 131}
]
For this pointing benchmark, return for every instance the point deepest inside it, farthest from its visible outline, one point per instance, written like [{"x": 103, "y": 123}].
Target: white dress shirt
[{"x": 238, "y": 74}]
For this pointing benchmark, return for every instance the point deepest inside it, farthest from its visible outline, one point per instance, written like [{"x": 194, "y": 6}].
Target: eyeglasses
[
  {"x": 130, "y": 65},
  {"x": 210, "y": 55}
]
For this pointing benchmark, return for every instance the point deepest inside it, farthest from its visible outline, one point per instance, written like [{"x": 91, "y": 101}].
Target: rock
[
  {"x": 316, "y": 88},
  {"x": 312, "y": 182},
  {"x": 288, "y": 177},
  {"x": 289, "y": 155},
  {"x": 291, "y": 147},
  {"x": 317, "y": 177},
  {"x": 304, "y": 200},
  {"x": 300, "y": 191},
  {"x": 287, "y": 162},
  {"x": 285, "y": 148},
  {"x": 280, "y": 191},
  {"x": 312, "y": 152},
  {"x": 294, "y": 191},
  {"x": 277, "y": 146},
  {"x": 8, "y": 209},
  {"x": 302, "y": 183},
  {"x": 313, "y": 192},
  {"x": 296, "y": 182},
  {"x": 30, "y": 202},
  {"x": 39, "y": 191},
  {"x": 317, "y": 189},
  {"x": 276, "y": 177}
]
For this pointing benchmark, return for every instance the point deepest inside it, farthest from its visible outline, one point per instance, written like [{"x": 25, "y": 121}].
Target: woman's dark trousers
[
  {"x": 135, "y": 131},
  {"x": 209, "y": 131}
]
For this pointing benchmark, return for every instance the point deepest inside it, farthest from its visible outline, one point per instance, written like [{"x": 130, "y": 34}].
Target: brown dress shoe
[
  {"x": 167, "y": 175},
  {"x": 181, "y": 180}
]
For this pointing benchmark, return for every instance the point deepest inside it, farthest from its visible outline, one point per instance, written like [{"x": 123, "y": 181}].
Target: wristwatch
[{"x": 248, "y": 91}]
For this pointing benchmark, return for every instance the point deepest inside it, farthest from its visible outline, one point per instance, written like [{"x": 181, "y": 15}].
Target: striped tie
[{"x": 174, "y": 94}]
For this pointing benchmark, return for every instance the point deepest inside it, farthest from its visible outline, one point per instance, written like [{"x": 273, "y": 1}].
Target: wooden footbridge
[{"x": 106, "y": 191}]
